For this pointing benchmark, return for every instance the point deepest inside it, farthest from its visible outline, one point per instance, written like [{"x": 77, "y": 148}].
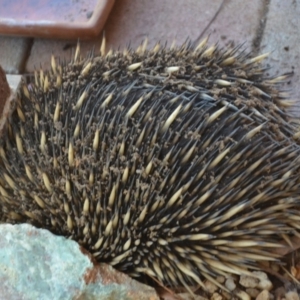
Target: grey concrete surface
[
  {"x": 282, "y": 39},
  {"x": 13, "y": 53}
]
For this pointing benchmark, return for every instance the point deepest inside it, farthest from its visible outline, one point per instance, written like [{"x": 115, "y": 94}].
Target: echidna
[{"x": 176, "y": 163}]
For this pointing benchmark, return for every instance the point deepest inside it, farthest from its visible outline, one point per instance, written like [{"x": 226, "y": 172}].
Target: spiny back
[{"x": 175, "y": 163}]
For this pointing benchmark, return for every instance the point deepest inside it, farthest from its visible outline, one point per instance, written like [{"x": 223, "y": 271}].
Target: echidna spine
[{"x": 180, "y": 163}]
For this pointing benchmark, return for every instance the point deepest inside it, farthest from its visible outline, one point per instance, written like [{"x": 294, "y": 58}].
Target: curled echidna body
[{"x": 175, "y": 163}]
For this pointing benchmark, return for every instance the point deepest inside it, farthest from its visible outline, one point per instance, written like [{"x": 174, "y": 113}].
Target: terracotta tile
[
  {"x": 13, "y": 53},
  {"x": 54, "y": 18},
  {"x": 282, "y": 39},
  {"x": 162, "y": 20}
]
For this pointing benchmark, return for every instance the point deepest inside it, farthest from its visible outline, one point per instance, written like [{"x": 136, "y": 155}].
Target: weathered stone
[{"x": 35, "y": 264}]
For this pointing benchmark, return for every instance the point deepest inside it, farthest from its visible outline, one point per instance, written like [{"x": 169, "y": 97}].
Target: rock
[
  {"x": 280, "y": 293},
  {"x": 264, "y": 295},
  {"x": 226, "y": 295},
  {"x": 248, "y": 281},
  {"x": 35, "y": 264},
  {"x": 253, "y": 293},
  {"x": 182, "y": 296},
  {"x": 230, "y": 284},
  {"x": 210, "y": 287},
  {"x": 292, "y": 295},
  {"x": 242, "y": 295},
  {"x": 264, "y": 281},
  {"x": 216, "y": 296},
  {"x": 220, "y": 279}
]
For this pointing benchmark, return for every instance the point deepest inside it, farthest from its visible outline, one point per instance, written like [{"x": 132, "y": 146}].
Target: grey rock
[{"x": 35, "y": 264}]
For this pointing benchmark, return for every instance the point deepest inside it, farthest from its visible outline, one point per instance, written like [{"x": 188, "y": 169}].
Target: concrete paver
[
  {"x": 238, "y": 22},
  {"x": 13, "y": 53},
  {"x": 131, "y": 21},
  {"x": 282, "y": 39}
]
